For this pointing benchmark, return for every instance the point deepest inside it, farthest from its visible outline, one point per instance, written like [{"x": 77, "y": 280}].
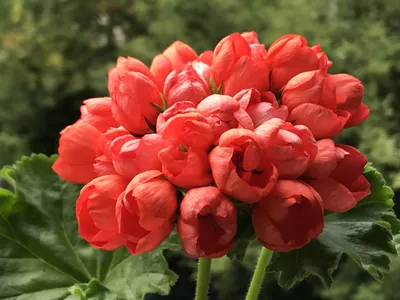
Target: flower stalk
[
  {"x": 258, "y": 276},
  {"x": 203, "y": 278}
]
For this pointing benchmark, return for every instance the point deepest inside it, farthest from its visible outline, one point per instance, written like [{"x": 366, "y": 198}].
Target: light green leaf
[
  {"x": 7, "y": 200},
  {"x": 43, "y": 257},
  {"x": 365, "y": 234}
]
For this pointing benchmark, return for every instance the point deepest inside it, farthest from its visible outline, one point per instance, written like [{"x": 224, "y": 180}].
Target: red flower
[
  {"x": 186, "y": 168},
  {"x": 202, "y": 69},
  {"x": 311, "y": 100},
  {"x": 248, "y": 97},
  {"x": 251, "y": 72},
  {"x": 178, "y": 108},
  {"x": 189, "y": 130},
  {"x": 349, "y": 93},
  {"x": 104, "y": 164},
  {"x": 207, "y": 223},
  {"x": 289, "y": 217},
  {"x": 290, "y": 55},
  {"x": 293, "y": 151},
  {"x": 124, "y": 65},
  {"x": 175, "y": 57},
  {"x": 97, "y": 112},
  {"x": 78, "y": 149},
  {"x": 186, "y": 85},
  {"x": 160, "y": 68},
  {"x": 337, "y": 173},
  {"x": 146, "y": 212},
  {"x": 185, "y": 162},
  {"x": 251, "y": 37},
  {"x": 133, "y": 100},
  {"x": 180, "y": 54},
  {"x": 95, "y": 211},
  {"x": 238, "y": 66},
  {"x": 237, "y": 169},
  {"x": 131, "y": 156},
  {"x": 207, "y": 57},
  {"x": 265, "y": 111},
  {"x": 223, "y": 113}
]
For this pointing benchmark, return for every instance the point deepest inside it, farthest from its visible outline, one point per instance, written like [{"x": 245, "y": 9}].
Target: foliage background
[{"x": 56, "y": 53}]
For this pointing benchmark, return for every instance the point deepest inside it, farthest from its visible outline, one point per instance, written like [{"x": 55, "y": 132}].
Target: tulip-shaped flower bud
[
  {"x": 131, "y": 156},
  {"x": 186, "y": 85},
  {"x": 207, "y": 57},
  {"x": 176, "y": 109},
  {"x": 95, "y": 211},
  {"x": 185, "y": 162},
  {"x": 223, "y": 113},
  {"x": 337, "y": 176},
  {"x": 135, "y": 99},
  {"x": 349, "y": 94},
  {"x": 290, "y": 55},
  {"x": 251, "y": 37},
  {"x": 78, "y": 149},
  {"x": 175, "y": 57},
  {"x": 293, "y": 151},
  {"x": 97, "y": 112},
  {"x": 237, "y": 65},
  {"x": 311, "y": 100},
  {"x": 237, "y": 165},
  {"x": 124, "y": 65},
  {"x": 289, "y": 217},
  {"x": 146, "y": 212},
  {"x": 104, "y": 164},
  {"x": 207, "y": 223}
]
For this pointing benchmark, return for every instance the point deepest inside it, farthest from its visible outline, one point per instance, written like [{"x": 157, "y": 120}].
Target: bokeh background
[{"x": 56, "y": 53}]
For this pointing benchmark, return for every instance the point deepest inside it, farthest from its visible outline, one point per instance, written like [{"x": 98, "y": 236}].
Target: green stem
[
  {"x": 258, "y": 276},
  {"x": 203, "y": 278}
]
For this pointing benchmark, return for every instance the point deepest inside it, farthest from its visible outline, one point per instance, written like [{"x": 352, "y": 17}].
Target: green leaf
[
  {"x": 7, "y": 200},
  {"x": 366, "y": 234},
  {"x": 43, "y": 257}
]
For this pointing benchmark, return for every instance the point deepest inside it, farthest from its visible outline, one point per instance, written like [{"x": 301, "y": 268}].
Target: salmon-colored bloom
[
  {"x": 124, "y": 65},
  {"x": 186, "y": 85},
  {"x": 237, "y": 166},
  {"x": 293, "y": 150},
  {"x": 104, "y": 164},
  {"x": 177, "y": 108},
  {"x": 131, "y": 156},
  {"x": 223, "y": 113},
  {"x": 311, "y": 100},
  {"x": 97, "y": 112},
  {"x": 290, "y": 55},
  {"x": 289, "y": 217},
  {"x": 175, "y": 57},
  {"x": 207, "y": 223},
  {"x": 337, "y": 176},
  {"x": 251, "y": 37},
  {"x": 95, "y": 211},
  {"x": 349, "y": 94},
  {"x": 185, "y": 162},
  {"x": 78, "y": 149},
  {"x": 146, "y": 212},
  {"x": 207, "y": 57},
  {"x": 237, "y": 66},
  {"x": 134, "y": 101}
]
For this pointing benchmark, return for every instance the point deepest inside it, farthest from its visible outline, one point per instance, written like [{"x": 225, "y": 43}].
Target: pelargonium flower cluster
[{"x": 195, "y": 140}]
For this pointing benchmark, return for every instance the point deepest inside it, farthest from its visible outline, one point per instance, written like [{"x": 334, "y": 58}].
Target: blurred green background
[{"x": 56, "y": 53}]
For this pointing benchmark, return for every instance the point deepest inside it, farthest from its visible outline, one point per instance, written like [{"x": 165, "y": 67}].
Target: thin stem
[
  {"x": 259, "y": 272},
  {"x": 203, "y": 278}
]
